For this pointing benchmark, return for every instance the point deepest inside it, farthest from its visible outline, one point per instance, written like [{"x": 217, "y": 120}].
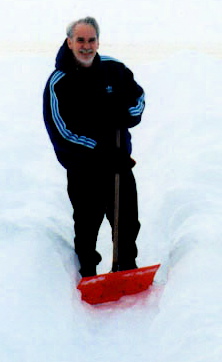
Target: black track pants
[{"x": 92, "y": 197}]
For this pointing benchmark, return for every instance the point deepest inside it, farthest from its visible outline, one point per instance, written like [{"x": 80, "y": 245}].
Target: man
[{"x": 86, "y": 100}]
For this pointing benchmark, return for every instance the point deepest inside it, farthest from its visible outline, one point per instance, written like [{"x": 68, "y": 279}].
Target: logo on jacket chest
[{"x": 109, "y": 89}]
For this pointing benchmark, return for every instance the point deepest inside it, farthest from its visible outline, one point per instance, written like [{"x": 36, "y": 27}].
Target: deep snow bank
[{"x": 178, "y": 149}]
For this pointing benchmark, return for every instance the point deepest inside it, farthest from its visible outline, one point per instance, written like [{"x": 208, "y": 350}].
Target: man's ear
[{"x": 69, "y": 42}]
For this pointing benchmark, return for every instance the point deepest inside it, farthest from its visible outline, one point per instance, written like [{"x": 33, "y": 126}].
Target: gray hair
[{"x": 88, "y": 21}]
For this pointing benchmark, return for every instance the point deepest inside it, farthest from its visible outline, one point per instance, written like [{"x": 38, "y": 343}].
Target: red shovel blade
[{"x": 111, "y": 287}]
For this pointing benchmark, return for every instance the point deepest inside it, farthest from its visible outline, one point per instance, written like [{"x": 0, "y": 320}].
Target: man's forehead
[{"x": 84, "y": 30}]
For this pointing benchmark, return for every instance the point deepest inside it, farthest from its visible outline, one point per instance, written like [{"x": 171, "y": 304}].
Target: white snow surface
[{"x": 178, "y": 148}]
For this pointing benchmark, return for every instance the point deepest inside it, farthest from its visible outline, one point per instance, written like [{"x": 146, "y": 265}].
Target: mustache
[{"x": 86, "y": 51}]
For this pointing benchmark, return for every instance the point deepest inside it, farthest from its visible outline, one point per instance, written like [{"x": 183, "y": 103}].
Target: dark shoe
[
  {"x": 88, "y": 271},
  {"x": 88, "y": 264},
  {"x": 127, "y": 266}
]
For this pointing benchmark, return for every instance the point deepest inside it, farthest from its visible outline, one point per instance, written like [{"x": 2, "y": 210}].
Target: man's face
[{"x": 84, "y": 44}]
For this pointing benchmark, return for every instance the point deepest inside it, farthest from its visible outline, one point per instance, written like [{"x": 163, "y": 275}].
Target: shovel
[{"x": 111, "y": 287}]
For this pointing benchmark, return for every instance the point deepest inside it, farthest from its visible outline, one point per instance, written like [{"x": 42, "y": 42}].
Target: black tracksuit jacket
[{"x": 83, "y": 107}]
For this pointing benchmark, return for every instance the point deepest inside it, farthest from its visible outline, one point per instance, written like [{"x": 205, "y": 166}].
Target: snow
[
  {"x": 179, "y": 175},
  {"x": 178, "y": 149}
]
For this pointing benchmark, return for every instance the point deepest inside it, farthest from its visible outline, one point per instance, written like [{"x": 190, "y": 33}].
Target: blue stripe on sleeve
[{"x": 138, "y": 109}]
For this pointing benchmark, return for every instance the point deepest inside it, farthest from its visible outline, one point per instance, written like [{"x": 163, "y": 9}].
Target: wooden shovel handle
[{"x": 116, "y": 213}]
